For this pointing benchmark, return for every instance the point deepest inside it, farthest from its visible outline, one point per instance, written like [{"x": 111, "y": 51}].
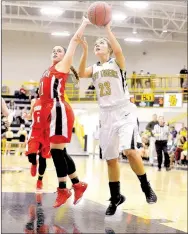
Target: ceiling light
[
  {"x": 133, "y": 39},
  {"x": 119, "y": 16},
  {"x": 51, "y": 11},
  {"x": 136, "y": 4},
  {"x": 61, "y": 34},
  {"x": 165, "y": 31}
]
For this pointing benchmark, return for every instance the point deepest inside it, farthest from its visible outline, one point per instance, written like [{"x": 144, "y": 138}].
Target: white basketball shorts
[{"x": 118, "y": 130}]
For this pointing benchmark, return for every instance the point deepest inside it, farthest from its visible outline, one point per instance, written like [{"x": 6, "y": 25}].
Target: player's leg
[
  {"x": 31, "y": 151},
  {"x": 128, "y": 144},
  {"x": 110, "y": 151},
  {"x": 61, "y": 170},
  {"x": 41, "y": 171},
  {"x": 78, "y": 186}
]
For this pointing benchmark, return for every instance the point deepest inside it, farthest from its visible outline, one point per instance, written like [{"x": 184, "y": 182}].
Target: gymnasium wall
[{"x": 26, "y": 55}]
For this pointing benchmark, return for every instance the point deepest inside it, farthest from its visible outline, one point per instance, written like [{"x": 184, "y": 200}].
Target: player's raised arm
[
  {"x": 82, "y": 70},
  {"x": 65, "y": 64},
  {"x": 117, "y": 50}
]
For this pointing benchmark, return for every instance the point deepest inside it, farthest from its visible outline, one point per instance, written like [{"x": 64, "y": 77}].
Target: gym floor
[{"x": 25, "y": 211}]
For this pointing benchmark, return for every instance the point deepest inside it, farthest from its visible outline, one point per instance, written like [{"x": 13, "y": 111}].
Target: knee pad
[
  {"x": 59, "y": 162},
  {"x": 32, "y": 158},
  {"x": 70, "y": 163}
]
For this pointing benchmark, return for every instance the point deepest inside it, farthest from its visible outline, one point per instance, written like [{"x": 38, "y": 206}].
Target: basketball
[{"x": 99, "y": 13}]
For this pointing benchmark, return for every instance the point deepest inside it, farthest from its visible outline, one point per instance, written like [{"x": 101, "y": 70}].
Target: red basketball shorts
[
  {"x": 38, "y": 142},
  {"x": 57, "y": 117}
]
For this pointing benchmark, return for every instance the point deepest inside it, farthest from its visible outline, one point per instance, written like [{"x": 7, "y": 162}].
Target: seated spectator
[
  {"x": 179, "y": 149},
  {"x": 133, "y": 79},
  {"x": 22, "y": 93},
  {"x": 185, "y": 84},
  {"x": 147, "y": 87},
  {"x": 183, "y": 132},
  {"x": 173, "y": 131},
  {"x": 183, "y": 73},
  {"x": 184, "y": 154},
  {"x": 22, "y": 133},
  {"x": 171, "y": 148},
  {"x": 9, "y": 136}
]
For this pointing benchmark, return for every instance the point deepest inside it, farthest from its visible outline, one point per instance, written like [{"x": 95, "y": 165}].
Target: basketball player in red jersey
[
  {"x": 58, "y": 117},
  {"x": 37, "y": 142}
]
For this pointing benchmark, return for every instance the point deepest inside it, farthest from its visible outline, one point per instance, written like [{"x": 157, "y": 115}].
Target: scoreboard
[{"x": 148, "y": 100}]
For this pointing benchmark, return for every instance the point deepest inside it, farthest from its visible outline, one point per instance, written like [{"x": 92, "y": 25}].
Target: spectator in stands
[
  {"x": 9, "y": 136},
  {"x": 184, "y": 154},
  {"x": 147, "y": 87},
  {"x": 179, "y": 149},
  {"x": 173, "y": 132},
  {"x": 133, "y": 79},
  {"x": 171, "y": 147},
  {"x": 22, "y": 93},
  {"x": 183, "y": 73},
  {"x": 183, "y": 132},
  {"x": 161, "y": 133},
  {"x": 90, "y": 90},
  {"x": 22, "y": 133},
  {"x": 149, "y": 128}
]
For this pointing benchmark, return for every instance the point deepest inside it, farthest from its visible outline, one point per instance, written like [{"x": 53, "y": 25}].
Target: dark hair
[
  {"x": 184, "y": 139},
  {"x": 72, "y": 68},
  {"x": 74, "y": 72}
]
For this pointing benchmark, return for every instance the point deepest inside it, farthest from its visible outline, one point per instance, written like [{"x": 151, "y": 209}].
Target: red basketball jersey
[
  {"x": 36, "y": 123},
  {"x": 52, "y": 84}
]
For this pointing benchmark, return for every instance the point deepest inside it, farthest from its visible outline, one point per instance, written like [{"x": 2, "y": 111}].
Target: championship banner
[
  {"x": 147, "y": 100},
  {"x": 173, "y": 100}
]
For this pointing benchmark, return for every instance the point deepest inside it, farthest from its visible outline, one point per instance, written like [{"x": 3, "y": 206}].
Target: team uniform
[
  {"x": 118, "y": 117},
  {"x": 56, "y": 113},
  {"x": 38, "y": 141}
]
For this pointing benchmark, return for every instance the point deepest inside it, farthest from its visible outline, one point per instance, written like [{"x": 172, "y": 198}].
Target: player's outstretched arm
[
  {"x": 65, "y": 64},
  {"x": 117, "y": 50},
  {"x": 82, "y": 70}
]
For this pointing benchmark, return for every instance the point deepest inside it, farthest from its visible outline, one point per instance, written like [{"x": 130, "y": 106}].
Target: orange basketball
[{"x": 99, "y": 13}]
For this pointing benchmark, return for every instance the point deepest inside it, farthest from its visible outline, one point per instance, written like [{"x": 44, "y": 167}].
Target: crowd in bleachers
[{"x": 177, "y": 145}]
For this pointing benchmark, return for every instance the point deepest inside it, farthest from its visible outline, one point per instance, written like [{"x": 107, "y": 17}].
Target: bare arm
[
  {"x": 5, "y": 109},
  {"x": 117, "y": 50},
  {"x": 82, "y": 70},
  {"x": 65, "y": 64},
  {"x": 28, "y": 116}
]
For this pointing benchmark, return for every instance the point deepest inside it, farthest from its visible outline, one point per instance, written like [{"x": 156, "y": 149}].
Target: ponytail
[{"x": 74, "y": 72}]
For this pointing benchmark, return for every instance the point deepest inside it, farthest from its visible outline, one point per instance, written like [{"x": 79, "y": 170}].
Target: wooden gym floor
[{"x": 19, "y": 198}]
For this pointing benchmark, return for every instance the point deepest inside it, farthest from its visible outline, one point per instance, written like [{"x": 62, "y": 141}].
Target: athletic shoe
[
  {"x": 43, "y": 229},
  {"x": 149, "y": 193},
  {"x": 111, "y": 210},
  {"x": 62, "y": 196},
  {"x": 79, "y": 189},
  {"x": 168, "y": 169},
  {"x": 39, "y": 184},
  {"x": 33, "y": 170}
]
